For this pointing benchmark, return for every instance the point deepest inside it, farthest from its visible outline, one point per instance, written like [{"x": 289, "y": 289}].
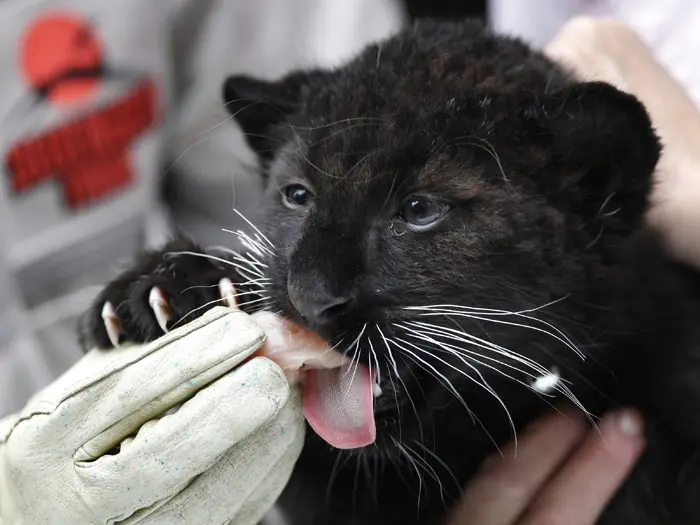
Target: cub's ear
[
  {"x": 262, "y": 108},
  {"x": 603, "y": 148}
]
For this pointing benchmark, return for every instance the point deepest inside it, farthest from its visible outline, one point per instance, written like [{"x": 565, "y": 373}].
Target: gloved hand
[{"x": 95, "y": 448}]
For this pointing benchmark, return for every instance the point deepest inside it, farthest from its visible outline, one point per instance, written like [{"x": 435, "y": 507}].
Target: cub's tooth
[
  {"x": 376, "y": 390},
  {"x": 159, "y": 305},
  {"x": 228, "y": 292},
  {"x": 111, "y": 322}
]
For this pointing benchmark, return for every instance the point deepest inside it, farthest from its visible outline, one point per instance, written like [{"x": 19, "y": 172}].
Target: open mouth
[{"x": 338, "y": 395}]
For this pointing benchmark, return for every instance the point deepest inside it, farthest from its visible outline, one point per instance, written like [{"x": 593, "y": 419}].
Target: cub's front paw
[{"x": 163, "y": 289}]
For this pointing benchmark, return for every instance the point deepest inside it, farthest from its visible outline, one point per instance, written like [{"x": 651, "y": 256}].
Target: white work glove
[{"x": 223, "y": 457}]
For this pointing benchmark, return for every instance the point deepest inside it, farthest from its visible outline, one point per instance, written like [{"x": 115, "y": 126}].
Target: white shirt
[{"x": 671, "y": 28}]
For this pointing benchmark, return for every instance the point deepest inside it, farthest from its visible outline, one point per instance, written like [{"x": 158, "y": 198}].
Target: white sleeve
[{"x": 535, "y": 21}]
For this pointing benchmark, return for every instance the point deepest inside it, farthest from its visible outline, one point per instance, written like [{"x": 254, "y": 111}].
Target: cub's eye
[
  {"x": 296, "y": 196},
  {"x": 423, "y": 212}
]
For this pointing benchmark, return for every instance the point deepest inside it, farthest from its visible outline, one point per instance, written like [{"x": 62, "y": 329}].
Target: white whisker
[
  {"x": 447, "y": 309},
  {"x": 413, "y": 464},
  {"x": 461, "y": 336},
  {"x": 255, "y": 246},
  {"x": 450, "y": 333},
  {"x": 255, "y": 228},
  {"x": 219, "y": 259},
  {"x": 473, "y": 356},
  {"x": 398, "y": 377},
  {"x": 376, "y": 360},
  {"x": 442, "y": 464},
  {"x": 247, "y": 259},
  {"x": 483, "y": 310},
  {"x": 357, "y": 363},
  {"x": 248, "y": 303},
  {"x": 194, "y": 310},
  {"x": 340, "y": 461},
  {"x": 252, "y": 260},
  {"x": 559, "y": 335},
  {"x": 355, "y": 343},
  {"x": 440, "y": 377},
  {"x": 428, "y": 469},
  {"x": 484, "y": 384}
]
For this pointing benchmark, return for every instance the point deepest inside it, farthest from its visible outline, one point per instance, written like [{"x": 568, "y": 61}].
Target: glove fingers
[
  {"x": 160, "y": 379},
  {"x": 180, "y": 446},
  {"x": 267, "y": 493},
  {"x": 246, "y": 482}
]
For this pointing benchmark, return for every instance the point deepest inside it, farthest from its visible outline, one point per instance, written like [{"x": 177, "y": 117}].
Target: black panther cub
[{"x": 465, "y": 220}]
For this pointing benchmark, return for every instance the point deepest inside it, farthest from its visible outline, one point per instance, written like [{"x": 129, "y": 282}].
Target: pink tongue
[{"x": 339, "y": 405}]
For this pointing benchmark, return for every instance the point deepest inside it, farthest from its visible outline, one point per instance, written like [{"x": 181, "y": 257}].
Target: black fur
[{"x": 547, "y": 180}]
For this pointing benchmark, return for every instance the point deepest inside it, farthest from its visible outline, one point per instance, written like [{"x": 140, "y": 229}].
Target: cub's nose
[{"x": 319, "y": 308}]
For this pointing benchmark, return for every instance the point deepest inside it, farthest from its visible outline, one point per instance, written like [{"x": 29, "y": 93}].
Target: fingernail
[{"x": 629, "y": 423}]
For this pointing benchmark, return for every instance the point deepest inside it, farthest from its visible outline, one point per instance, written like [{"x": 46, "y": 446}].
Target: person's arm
[{"x": 607, "y": 50}]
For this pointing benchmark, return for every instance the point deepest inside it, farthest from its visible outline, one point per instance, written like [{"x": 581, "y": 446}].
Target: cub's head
[{"x": 440, "y": 209}]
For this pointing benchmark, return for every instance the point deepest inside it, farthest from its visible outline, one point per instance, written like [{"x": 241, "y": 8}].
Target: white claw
[
  {"x": 112, "y": 324},
  {"x": 228, "y": 292},
  {"x": 159, "y": 305}
]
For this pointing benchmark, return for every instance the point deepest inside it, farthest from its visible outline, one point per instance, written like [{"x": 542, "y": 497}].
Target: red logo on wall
[{"x": 62, "y": 60}]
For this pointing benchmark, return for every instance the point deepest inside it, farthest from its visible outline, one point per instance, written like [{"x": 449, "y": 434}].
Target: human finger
[
  {"x": 506, "y": 484},
  {"x": 586, "y": 483}
]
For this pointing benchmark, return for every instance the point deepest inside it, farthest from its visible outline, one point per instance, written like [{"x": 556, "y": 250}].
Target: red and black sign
[{"x": 62, "y": 60}]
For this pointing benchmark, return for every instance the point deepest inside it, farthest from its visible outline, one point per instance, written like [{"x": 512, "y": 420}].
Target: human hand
[
  {"x": 562, "y": 472},
  {"x": 226, "y": 454},
  {"x": 607, "y": 50}
]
